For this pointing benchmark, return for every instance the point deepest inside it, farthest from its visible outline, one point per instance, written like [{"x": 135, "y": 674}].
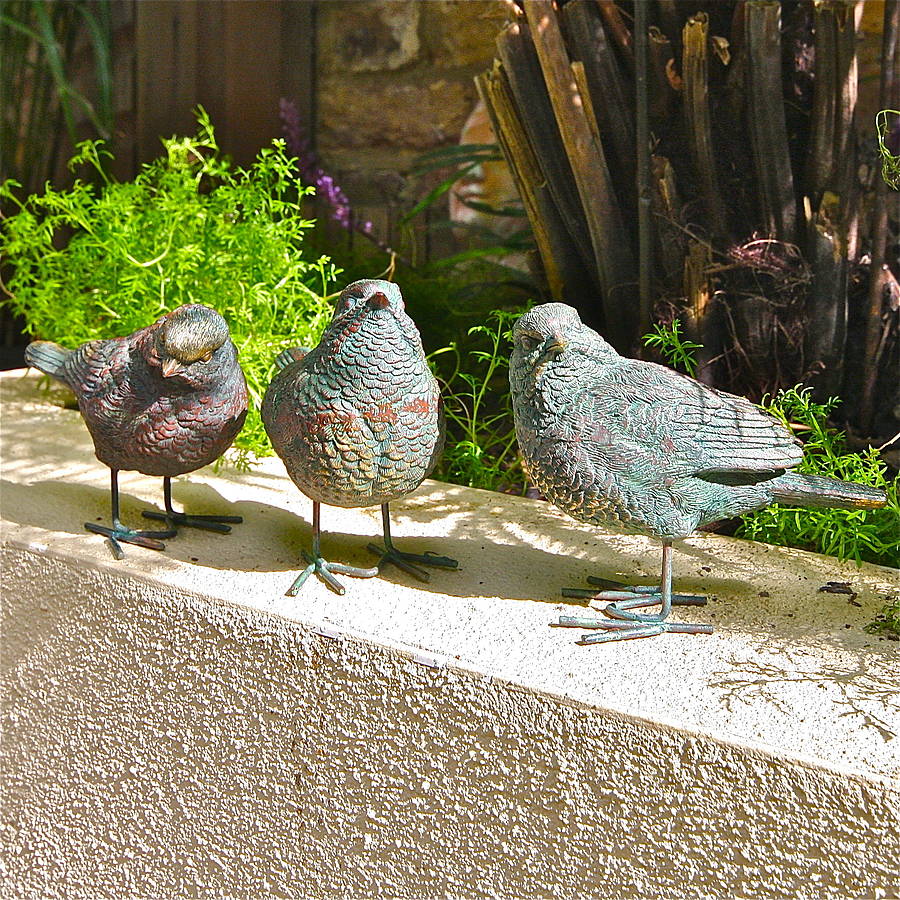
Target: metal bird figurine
[
  {"x": 642, "y": 449},
  {"x": 164, "y": 400},
  {"x": 358, "y": 420}
]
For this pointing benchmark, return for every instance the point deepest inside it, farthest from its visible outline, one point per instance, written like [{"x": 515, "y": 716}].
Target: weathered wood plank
[
  {"x": 696, "y": 106},
  {"x": 166, "y": 49},
  {"x": 612, "y": 254},
  {"x": 768, "y": 131}
]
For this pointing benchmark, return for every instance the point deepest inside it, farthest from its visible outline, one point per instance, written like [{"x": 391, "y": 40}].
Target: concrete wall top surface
[{"x": 788, "y": 668}]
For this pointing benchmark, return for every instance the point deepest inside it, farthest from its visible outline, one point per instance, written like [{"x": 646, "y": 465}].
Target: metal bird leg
[
  {"x": 622, "y": 623},
  {"x": 406, "y": 561},
  {"x": 219, "y": 524},
  {"x": 119, "y": 534},
  {"x": 322, "y": 567}
]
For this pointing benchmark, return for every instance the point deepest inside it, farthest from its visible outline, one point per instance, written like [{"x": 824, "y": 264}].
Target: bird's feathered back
[
  {"x": 631, "y": 443},
  {"x": 138, "y": 416}
]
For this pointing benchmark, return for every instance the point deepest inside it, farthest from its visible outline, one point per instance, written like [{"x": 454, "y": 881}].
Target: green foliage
[
  {"x": 465, "y": 157},
  {"x": 43, "y": 43},
  {"x": 481, "y": 444},
  {"x": 887, "y": 622},
  {"x": 890, "y": 162},
  {"x": 95, "y": 262},
  {"x": 482, "y": 242},
  {"x": 863, "y": 535},
  {"x": 678, "y": 352}
]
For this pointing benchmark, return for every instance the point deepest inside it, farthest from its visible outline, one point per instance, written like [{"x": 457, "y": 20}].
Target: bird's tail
[
  {"x": 48, "y": 357},
  {"x": 292, "y": 354},
  {"x": 794, "y": 489}
]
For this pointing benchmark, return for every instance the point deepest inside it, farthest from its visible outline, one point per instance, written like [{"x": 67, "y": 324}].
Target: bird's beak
[
  {"x": 556, "y": 343},
  {"x": 378, "y": 300},
  {"x": 171, "y": 367}
]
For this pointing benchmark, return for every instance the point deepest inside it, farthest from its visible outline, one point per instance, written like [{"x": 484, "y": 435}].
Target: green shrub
[
  {"x": 102, "y": 260},
  {"x": 887, "y": 622},
  {"x": 677, "y": 351},
  {"x": 890, "y": 162},
  {"x": 481, "y": 440},
  {"x": 870, "y": 535}
]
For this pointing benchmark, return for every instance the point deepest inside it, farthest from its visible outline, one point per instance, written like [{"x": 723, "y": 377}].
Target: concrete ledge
[{"x": 175, "y": 726}]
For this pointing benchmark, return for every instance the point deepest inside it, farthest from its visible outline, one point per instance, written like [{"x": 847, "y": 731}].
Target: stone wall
[{"x": 394, "y": 79}]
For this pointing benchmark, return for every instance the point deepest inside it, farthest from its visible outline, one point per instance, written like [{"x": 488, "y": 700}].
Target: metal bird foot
[
  {"x": 620, "y": 630},
  {"x": 219, "y": 524},
  {"x": 325, "y": 570},
  {"x": 621, "y": 594},
  {"x": 407, "y": 561},
  {"x": 622, "y": 624},
  {"x": 119, "y": 534}
]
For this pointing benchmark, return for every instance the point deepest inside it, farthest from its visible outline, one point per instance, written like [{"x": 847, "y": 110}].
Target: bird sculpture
[
  {"x": 358, "y": 421},
  {"x": 637, "y": 447},
  {"x": 165, "y": 400}
]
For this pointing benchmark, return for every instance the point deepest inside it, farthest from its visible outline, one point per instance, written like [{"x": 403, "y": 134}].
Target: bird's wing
[
  {"x": 94, "y": 367},
  {"x": 695, "y": 429}
]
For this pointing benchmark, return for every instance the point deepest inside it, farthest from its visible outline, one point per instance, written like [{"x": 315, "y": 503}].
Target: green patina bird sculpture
[
  {"x": 642, "y": 449},
  {"x": 165, "y": 400},
  {"x": 358, "y": 420}
]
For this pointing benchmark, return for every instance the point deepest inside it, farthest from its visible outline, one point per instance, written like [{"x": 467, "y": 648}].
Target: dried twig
[
  {"x": 879, "y": 229},
  {"x": 585, "y": 153}
]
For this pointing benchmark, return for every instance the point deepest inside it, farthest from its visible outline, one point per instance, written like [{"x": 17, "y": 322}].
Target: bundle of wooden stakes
[{"x": 701, "y": 160}]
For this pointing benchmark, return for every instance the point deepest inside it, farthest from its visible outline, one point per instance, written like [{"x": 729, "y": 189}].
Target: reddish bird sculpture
[
  {"x": 164, "y": 400},
  {"x": 358, "y": 420}
]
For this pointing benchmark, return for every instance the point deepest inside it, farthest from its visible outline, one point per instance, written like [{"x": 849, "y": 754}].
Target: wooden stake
[
  {"x": 768, "y": 131},
  {"x": 696, "y": 105},
  {"x": 585, "y": 153}
]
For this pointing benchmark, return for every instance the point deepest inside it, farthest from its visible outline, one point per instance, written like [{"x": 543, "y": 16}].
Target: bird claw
[
  {"x": 624, "y": 596},
  {"x": 620, "y": 623},
  {"x": 406, "y": 561},
  {"x": 118, "y": 535},
  {"x": 325, "y": 570},
  {"x": 632, "y": 630},
  {"x": 619, "y": 630},
  {"x": 218, "y": 524}
]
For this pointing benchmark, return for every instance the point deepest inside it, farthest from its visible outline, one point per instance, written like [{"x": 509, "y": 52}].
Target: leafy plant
[
  {"x": 887, "y": 622},
  {"x": 678, "y": 352},
  {"x": 464, "y": 158},
  {"x": 481, "y": 447},
  {"x": 41, "y": 41},
  {"x": 483, "y": 242},
  {"x": 869, "y": 535},
  {"x": 96, "y": 261}
]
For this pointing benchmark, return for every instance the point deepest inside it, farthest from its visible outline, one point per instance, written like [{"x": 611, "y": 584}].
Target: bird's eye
[
  {"x": 529, "y": 342},
  {"x": 206, "y": 357}
]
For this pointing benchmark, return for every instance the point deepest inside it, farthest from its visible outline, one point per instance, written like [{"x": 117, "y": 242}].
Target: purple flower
[{"x": 311, "y": 173}]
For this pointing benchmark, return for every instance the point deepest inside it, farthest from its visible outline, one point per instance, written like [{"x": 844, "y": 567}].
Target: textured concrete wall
[{"x": 159, "y": 743}]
